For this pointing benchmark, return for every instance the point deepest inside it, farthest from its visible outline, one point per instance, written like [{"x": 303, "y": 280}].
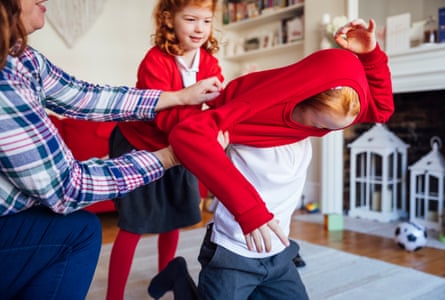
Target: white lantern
[
  {"x": 378, "y": 167},
  {"x": 427, "y": 188}
]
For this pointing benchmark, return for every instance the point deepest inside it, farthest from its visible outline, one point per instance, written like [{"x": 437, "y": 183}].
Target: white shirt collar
[{"x": 188, "y": 74}]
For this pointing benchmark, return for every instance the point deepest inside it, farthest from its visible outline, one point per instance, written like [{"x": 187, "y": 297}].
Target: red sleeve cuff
[
  {"x": 254, "y": 218},
  {"x": 373, "y": 57}
]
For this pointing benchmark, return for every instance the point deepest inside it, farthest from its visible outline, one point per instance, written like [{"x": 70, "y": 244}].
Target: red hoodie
[
  {"x": 158, "y": 70},
  {"x": 256, "y": 109}
]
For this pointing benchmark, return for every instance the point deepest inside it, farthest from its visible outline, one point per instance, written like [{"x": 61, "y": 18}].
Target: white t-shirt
[{"x": 278, "y": 174}]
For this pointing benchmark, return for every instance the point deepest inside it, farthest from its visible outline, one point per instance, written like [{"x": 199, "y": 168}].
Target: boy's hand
[
  {"x": 261, "y": 237},
  {"x": 357, "y": 37}
]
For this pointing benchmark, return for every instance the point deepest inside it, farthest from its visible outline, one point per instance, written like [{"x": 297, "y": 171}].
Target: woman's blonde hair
[
  {"x": 341, "y": 100},
  {"x": 165, "y": 36},
  {"x": 13, "y": 36}
]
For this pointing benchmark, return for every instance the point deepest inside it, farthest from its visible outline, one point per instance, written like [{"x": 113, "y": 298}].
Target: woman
[{"x": 44, "y": 254}]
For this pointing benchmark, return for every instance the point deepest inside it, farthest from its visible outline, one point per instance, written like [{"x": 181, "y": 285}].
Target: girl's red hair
[{"x": 165, "y": 36}]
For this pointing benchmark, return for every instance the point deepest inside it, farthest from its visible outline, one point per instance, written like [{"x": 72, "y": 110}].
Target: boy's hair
[
  {"x": 348, "y": 104},
  {"x": 165, "y": 36},
  {"x": 13, "y": 36}
]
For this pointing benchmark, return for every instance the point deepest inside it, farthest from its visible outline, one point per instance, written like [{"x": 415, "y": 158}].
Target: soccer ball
[{"x": 410, "y": 236}]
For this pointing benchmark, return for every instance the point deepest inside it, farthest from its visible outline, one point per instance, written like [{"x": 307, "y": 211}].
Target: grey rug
[
  {"x": 329, "y": 274},
  {"x": 371, "y": 227}
]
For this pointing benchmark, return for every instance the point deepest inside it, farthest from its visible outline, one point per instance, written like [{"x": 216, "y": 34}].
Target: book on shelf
[
  {"x": 292, "y": 29},
  {"x": 280, "y": 3},
  {"x": 294, "y": 2},
  {"x": 441, "y": 25},
  {"x": 238, "y": 10}
]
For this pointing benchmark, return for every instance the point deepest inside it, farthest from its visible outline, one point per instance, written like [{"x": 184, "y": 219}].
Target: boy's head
[{"x": 333, "y": 109}]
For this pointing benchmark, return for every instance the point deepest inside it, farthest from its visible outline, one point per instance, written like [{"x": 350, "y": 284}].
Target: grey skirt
[{"x": 172, "y": 202}]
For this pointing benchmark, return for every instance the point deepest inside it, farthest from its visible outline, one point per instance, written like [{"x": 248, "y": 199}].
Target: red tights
[{"x": 122, "y": 254}]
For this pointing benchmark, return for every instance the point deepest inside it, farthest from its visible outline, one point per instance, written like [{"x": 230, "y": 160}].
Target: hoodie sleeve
[
  {"x": 195, "y": 144},
  {"x": 381, "y": 102},
  {"x": 159, "y": 70}
]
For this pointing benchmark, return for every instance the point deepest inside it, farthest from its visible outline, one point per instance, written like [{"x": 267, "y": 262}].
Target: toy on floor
[
  {"x": 410, "y": 236},
  {"x": 311, "y": 208}
]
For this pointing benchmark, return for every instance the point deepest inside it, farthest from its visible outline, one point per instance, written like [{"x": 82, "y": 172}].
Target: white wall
[
  {"x": 108, "y": 53},
  {"x": 380, "y": 9}
]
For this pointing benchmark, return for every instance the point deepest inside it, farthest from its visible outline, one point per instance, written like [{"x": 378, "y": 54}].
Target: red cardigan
[
  {"x": 158, "y": 70},
  {"x": 257, "y": 109}
]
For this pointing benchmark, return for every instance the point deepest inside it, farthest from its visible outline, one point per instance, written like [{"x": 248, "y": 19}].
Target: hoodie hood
[{"x": 318, "y": 72}]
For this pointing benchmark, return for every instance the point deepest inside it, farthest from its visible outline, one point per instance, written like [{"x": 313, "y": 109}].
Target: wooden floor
[{"x": 429, "y": 260}]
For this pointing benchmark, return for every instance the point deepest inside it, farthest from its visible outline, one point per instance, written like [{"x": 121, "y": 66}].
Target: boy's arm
[
  {"x": 194, "y": 142},
  {"x": 381, "y": 104},
  {"x": 360, "y": 38}
]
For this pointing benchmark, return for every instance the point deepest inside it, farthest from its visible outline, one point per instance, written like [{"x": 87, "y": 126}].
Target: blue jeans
[{"x": 44, "y": 255}]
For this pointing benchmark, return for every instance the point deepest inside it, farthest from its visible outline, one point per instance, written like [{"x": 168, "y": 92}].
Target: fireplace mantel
[
  {"x": 419, "y": 69},
  {"x": 416, "y": 70}
]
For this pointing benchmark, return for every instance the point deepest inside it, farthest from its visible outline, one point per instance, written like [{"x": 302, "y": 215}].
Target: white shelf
[
  {"x": 278, "y": 49},
  {"x": 277, "y": 14}
]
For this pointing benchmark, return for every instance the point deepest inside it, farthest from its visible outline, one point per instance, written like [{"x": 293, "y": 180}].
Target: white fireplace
[{"x": 418, "y": 69}]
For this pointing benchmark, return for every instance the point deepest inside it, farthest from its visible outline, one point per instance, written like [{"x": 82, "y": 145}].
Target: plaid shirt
[{"x": 36, "y": 167}]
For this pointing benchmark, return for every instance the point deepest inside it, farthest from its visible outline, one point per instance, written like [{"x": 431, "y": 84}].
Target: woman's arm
[
  {"x": 66, "y": 95},
  {"x": 37, "y": 167}
]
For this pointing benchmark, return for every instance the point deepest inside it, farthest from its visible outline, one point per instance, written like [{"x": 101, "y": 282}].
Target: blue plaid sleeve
[{"x": 36, "y": 167}]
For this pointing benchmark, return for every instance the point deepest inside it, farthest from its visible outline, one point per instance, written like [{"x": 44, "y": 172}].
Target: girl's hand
[{"x": 357, "y": 37}]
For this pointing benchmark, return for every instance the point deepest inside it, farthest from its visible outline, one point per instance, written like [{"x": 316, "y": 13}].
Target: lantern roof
[
  {"x": 380, "y": 138},
  {"x": 433, "y": 161}
]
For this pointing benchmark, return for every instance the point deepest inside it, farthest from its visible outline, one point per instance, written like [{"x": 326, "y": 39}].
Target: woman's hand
[
  {"x": 259, "y": 239},
  {"x": 357, "y": 37},
  {"x": 167, "y": 157},
  {"x": 202, "y": 91}
]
